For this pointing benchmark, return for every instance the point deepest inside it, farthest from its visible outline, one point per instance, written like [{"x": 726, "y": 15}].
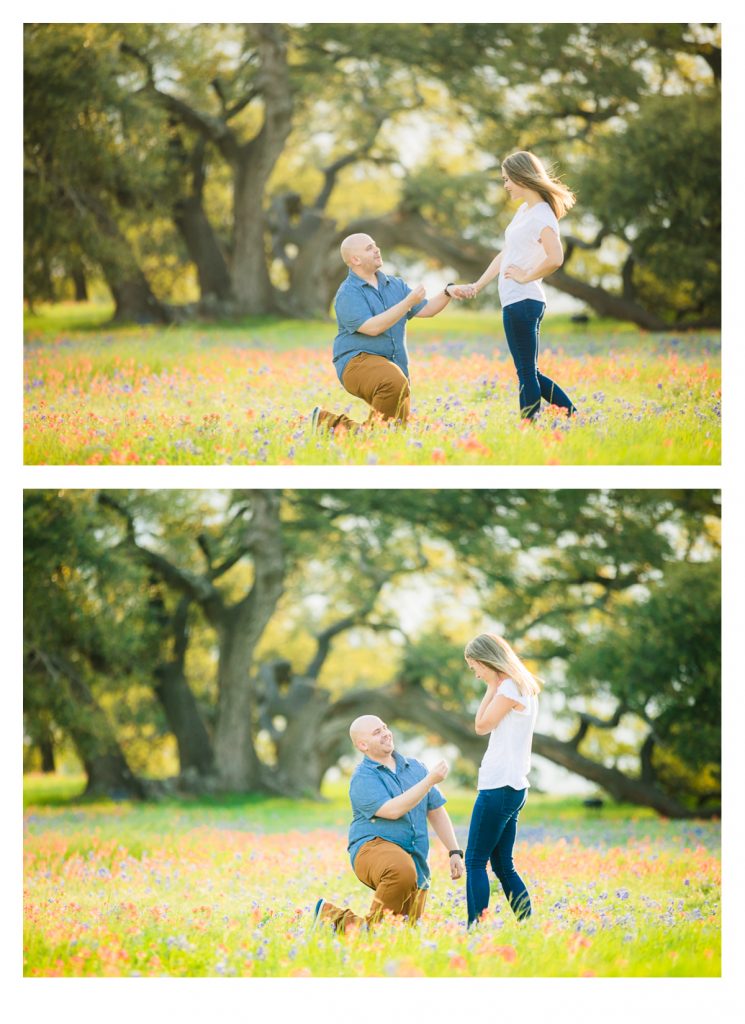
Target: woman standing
[
  {"x": 507, "y": 714},
  {"x": 532, "y": 250}
]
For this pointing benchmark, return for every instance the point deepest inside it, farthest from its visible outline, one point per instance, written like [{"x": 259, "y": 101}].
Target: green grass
[
  {"x": 242, "y": 393},
  {"x": 226, "y": 888}
]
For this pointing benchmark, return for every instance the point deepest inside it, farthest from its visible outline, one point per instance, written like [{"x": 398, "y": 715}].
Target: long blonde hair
[
  {"x": 494, "y": 651},
  {"x": 527, "y": 170}
]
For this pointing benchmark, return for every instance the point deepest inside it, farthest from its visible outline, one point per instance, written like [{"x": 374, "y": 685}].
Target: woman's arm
[
  {"x": 554, "y": 259},
  {"x": 492, "y": 710},
  {"x": 489, "y": 274}
]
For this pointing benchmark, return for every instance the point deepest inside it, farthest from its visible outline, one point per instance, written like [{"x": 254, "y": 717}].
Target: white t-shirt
[
  {"x": 507, "y": 758},
  {"x": 522, "y": 247}
]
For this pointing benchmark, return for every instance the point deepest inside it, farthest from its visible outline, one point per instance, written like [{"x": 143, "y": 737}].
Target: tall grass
[
  {"x": 243, "y": 394},
  {"x": 226, "y": 888}
]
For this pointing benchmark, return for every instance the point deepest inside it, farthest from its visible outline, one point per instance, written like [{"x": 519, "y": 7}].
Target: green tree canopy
[
  {"x": 251, "y": 627},
  {"x": 238, "y": 156}
]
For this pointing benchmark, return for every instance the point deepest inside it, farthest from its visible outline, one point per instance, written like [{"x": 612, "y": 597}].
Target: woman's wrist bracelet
[{"x": 452, "y": 853}]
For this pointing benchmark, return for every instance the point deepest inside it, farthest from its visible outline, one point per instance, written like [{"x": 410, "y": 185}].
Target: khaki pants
[
  {"x": 391, "y": 873},
  {"x": 380, "y": 383}
]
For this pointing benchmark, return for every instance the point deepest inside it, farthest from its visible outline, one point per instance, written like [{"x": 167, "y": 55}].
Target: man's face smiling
[
  {"x": 369, "y": 256},
  {"x": 379, "y": 741}
]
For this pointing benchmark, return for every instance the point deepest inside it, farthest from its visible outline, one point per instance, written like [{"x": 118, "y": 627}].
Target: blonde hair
[
  {"x": 527, "y": 170},
  {"x": 494, "y": 651}
]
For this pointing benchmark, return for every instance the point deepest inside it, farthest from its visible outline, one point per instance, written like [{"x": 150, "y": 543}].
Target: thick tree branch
[
  {"x": 213, "y": 128},
  {"x": 586, "y": 720},
  {"x": 195, "y": 587}
]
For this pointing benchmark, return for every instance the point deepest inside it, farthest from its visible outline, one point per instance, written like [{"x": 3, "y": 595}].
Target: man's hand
[
  {"x": 439, "y": 772},
  {"x": 416, "y": 295},
  {"x": 457, "y": 866},
  {"x": 462, "y": 291}
]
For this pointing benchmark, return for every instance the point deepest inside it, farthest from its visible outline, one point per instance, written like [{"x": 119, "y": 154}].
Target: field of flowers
[
  {"x": 186, "y": 890},
  {"x": 243, "y": 395}
]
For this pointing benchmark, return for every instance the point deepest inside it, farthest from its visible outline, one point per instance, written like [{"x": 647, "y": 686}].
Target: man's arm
[
  {"x": 442, "y": 826},
  {"x": 434, "y": 306},
  {"x": 397, "y": 806},
  {"x": 382, "y": 321}
]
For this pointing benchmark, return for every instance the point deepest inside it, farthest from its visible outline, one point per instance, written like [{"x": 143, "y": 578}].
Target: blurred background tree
[
  {"x": 223, "y": 164},
  {"x": 225, "y": 640}
]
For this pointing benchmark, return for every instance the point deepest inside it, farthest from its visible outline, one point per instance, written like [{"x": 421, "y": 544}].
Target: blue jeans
[
  {"x": 491, "y": 836},
  {"x": 522, "y": 324}
]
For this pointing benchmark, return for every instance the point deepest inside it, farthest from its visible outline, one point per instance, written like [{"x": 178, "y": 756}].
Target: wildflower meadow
[
  {"x": 243, "y": 394},
  {"x": 211, "y": 889}
]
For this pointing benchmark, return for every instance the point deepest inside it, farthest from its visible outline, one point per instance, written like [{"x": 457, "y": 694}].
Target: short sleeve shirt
[
  {"x": 357, "y": 301},
  {"x": 522, "y": 247},
  {"x": 506, "y": 761},
  {"x": 372, "y": 785}
]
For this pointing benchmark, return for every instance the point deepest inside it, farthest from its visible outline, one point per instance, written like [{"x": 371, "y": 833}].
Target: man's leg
[
  {"x": 414, "y": 908},
  {"x": 377, "y": 381},
  {"x": 391, "y": 872}
]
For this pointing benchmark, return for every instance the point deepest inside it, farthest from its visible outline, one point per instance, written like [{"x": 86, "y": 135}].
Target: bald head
[
  {"x": 372, "y": 736},
  {"x": 355, "y": 248},
  {"x": 362, "y": 727}
]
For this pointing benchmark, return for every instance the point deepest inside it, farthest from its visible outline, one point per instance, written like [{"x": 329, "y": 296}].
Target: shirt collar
[
  {"x": 398, "y": 758},
  {"x": 357, "y": 280}
]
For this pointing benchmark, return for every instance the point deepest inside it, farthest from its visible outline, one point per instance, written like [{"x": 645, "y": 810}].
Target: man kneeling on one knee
[
  {"x": 394, "y": 798},
  {"x": 370, "y": 354}
]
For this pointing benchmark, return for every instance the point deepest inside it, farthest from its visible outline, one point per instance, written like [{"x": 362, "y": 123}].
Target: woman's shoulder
[
  {"x": 543, "y": 211},
  {"x": 508, "y": 686}
]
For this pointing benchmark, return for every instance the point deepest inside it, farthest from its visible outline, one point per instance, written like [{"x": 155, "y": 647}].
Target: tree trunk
[
  {"x": 301, "y": 764},
  {"x": 134, "y": 302},
  {"x": 315, "y": 274},
  {"x": 251, "y": 285},
  {"x": 133, "y": 297},
  {"x": 77, "y": 273},
  {"x": 46, "y": 749},
  {"x": 192, "y": 223},
  {"x": 253, "y": 166},
  {"x": 77, "y": 712},
  {"x": 241, "y": 628},
  {"x": 185, "y": 721},
  {"x": 204, "y": 251}
]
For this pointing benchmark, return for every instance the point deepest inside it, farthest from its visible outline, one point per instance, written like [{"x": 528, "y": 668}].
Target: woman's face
[
  {"x": 483, "y": 672},
  {"x": 514, "y": 191}
]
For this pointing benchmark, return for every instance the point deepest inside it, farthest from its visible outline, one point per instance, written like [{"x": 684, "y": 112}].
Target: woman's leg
[
  {"x": 487, "y": 822},
  {"x": 503, "y": 867},
  {"x": 520, "y": 321},
  {"x": 550, "y": 390}
]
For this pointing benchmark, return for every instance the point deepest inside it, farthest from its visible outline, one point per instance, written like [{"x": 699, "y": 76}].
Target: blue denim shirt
[
  {"x": 373, "y": 785},
  {"x": 357, "y": 301}
]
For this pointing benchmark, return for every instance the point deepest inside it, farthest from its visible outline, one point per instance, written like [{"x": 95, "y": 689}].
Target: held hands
[
  {"x": 457, "y": 866},
  {"x": 462, "y": 291},
  {"x": 439, "y": 772}
]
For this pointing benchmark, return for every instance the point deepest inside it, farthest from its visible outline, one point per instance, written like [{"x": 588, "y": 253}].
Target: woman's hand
[
  {"x": 462, "y": 291},
  {"x": 516, "y": 274}
]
